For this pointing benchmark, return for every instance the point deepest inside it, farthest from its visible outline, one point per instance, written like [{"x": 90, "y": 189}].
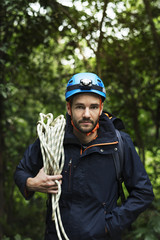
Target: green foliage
[
  {"x": 147, "y": 226},
  {"x": 40, "y": 49},
  {"x": 16, "y": 237}
]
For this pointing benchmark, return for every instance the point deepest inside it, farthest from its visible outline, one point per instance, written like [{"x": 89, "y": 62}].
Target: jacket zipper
[{"x": 70, "y": 173}]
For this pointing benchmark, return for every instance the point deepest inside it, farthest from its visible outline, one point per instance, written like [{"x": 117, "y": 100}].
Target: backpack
[{"x": 118, "y": 158}]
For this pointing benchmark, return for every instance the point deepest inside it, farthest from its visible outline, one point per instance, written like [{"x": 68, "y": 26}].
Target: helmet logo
[{"x": 85, "y": 82}]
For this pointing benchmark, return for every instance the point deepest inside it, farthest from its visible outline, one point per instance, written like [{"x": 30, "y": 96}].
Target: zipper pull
[
  {"x": 70, "y": 165},
  {"x": 70, "y": 162}
]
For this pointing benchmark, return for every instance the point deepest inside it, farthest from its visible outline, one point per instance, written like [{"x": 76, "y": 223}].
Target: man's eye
[
  {"x": 80, "y": 107},
  {"x": 94, "y": 107}
]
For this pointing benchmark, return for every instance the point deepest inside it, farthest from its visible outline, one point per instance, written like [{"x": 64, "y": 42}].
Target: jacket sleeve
[
  {"x": 139, "y": 188},
  {"x": 29, "y": 166}
]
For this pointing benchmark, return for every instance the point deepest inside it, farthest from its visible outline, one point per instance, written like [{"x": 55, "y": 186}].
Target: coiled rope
[{"x": 51, "y": 134}]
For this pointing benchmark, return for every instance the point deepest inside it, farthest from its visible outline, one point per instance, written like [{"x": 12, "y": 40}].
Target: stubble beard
[{"x": 77, "y": 124}]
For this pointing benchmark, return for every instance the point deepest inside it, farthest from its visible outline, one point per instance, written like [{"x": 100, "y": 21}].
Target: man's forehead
[{"x": 84, "y": 97}]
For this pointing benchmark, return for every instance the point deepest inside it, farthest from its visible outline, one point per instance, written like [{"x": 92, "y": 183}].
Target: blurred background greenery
[{"x": 43, "y": 43}]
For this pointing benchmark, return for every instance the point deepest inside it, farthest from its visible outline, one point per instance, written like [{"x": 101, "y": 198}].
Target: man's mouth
[{"x": 86, "y": 122}]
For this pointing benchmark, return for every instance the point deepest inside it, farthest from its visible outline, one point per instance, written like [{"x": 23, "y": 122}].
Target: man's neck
[{"x": 83, "y": 137}]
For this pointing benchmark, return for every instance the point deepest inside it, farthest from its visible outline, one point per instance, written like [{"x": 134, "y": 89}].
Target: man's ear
[
  {"x": 68, "y": 107},
  {"x": 101, "y": 108}
]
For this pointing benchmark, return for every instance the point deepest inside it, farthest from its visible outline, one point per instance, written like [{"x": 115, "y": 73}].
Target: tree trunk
[
  {"x": 1, "y": 168},
  {"x": 138, "y": 135},
  {"x": 157, "y": 120},
  {"x": 98, "y": 52},
  {"x": 2, "y": 142},
  {"x": 155, "y": 35},
  {"x": 156, "y": 40}
]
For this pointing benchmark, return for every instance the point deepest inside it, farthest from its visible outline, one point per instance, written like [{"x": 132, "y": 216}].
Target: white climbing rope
[{"x": 51, "y": 134}]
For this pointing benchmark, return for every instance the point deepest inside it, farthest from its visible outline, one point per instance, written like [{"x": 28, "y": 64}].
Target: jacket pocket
[
  {"x": 67, "y": 177},
  {"x": 98, "y": 228},
  {"x": 110, "y": 205}
]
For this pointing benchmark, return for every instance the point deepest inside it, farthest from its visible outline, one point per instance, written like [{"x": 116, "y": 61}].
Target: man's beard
[{"x": 82, "y": 129}]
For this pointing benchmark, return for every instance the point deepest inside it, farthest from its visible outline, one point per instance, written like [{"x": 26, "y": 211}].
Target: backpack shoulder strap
[
  {"x": 120, "y": 148},
  {"x": 118, "y": 161},
  {"x": 118, "y": 157}
]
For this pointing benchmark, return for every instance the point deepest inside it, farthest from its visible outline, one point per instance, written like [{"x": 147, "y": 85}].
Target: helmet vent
[{"x": 70, "y": 81}]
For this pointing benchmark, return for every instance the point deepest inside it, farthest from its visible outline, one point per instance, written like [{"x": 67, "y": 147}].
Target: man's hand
[{"x": 43, "y": 183}]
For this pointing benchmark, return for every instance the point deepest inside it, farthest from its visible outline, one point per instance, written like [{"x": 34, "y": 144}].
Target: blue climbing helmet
[{"x": 85, "y": 82}]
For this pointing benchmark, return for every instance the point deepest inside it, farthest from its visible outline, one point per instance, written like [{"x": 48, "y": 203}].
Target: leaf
[
  {"x": 17, "y": 237},
  {"x": 150, "y": 237}
]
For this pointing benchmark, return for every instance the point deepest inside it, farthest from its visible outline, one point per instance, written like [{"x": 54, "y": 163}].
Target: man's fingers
[
  {"x": 55, "y": 177},
  {"x": 53, "y": 189},
  {"x": 52, "y": 184}
]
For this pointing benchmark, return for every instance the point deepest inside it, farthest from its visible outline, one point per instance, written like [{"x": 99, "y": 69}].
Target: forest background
[{"x": 43, "y": 43}]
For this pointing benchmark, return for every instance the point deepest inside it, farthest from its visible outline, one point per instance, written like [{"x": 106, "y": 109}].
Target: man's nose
[{"x": 86, "y": 113}]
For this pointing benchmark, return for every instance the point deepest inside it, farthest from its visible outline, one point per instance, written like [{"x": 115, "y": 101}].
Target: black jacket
[{"x": 89, "y": 196}]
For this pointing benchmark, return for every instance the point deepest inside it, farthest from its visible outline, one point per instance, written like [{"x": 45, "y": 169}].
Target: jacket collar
[{"x": 106, "y": 131}]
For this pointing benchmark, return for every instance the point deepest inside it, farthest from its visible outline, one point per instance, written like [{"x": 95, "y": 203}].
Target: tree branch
[
  {"x": 150, "y": 19},
  {"x": 100, "y": 39},
  {"x": 74, "y": 22}
]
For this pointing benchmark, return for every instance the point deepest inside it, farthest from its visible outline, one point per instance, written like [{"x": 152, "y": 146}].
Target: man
[{"x": 88, "y": 202}]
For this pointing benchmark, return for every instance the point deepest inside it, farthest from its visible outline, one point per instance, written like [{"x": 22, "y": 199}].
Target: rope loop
[{"x": 51, "y": 134}]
